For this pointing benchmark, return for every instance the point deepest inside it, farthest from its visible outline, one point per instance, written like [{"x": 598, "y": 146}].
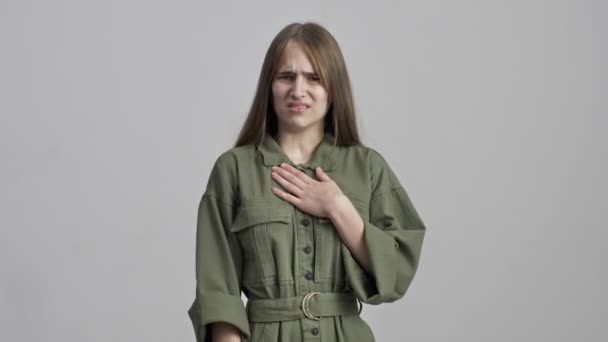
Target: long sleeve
[
  {"x": 393, "y": 233},
  {"x": 218, "y": 256}
]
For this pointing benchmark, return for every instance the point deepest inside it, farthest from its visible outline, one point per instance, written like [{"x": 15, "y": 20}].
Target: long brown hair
[{"x": 326, "y": 57}]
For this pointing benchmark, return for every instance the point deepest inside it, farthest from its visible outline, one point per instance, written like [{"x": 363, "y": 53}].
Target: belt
[{"x": 313, "y": 305}]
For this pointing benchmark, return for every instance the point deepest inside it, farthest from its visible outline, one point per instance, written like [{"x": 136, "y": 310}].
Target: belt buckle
[{"x": 305, "y": 307}]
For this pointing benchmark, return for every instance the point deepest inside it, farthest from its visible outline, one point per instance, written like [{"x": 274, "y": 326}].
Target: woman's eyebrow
[{"x": 289, "y": 72}]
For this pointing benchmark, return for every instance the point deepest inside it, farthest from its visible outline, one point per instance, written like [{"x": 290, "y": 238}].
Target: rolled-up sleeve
[
  {"x": 393, "y": 234},
  {"x": 218, "y": 258}
]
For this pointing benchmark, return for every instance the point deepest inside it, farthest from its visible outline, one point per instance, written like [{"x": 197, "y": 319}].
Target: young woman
[{"x": 299, "y": 215}]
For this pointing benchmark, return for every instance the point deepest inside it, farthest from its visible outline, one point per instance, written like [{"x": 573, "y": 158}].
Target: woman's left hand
[{"x": 316, "y": 197}]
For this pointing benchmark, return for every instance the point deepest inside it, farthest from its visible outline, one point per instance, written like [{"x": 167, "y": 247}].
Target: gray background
[{"x": 492, "y": 113}]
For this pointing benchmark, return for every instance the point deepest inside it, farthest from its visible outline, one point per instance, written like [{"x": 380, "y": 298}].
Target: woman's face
[{"x": 299, "y": 99}]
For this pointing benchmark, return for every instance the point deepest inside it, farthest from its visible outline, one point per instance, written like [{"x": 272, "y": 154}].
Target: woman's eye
[{"x": 291, "y": 77}]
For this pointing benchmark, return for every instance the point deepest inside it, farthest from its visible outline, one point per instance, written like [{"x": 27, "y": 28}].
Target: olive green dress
[{"x": 250, "y": 240}]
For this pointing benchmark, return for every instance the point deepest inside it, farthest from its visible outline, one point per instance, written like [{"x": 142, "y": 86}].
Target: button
[
  {"x": 314, "y": 331},
  {"x": 307, "y": 250},
  {"x": 308, "y": 276},
  {"x": 305, "y": 222}
]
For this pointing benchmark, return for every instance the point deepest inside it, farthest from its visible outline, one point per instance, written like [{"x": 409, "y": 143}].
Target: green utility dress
[{"x": 301, "y": 281}]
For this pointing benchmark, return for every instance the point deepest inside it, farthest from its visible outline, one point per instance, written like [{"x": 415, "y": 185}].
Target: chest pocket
[{"x": 263, "y": 231}]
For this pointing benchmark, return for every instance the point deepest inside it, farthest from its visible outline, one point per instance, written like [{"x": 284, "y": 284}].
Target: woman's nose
[{"x": 299, "y": 87}]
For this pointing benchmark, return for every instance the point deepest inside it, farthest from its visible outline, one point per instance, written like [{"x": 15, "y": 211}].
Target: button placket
[
  {"x": 309, "y": 275},
  {"x": 306, "y": 259}
]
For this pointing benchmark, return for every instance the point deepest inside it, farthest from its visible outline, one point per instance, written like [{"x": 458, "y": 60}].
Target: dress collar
[{"x": 324, "y": 155}]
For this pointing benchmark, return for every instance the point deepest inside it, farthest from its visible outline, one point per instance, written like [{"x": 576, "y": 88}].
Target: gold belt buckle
[{"x": 305, "y": 307}]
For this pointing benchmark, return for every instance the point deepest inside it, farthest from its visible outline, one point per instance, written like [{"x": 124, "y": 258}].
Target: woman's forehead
[{"x": 295, "y": 62}]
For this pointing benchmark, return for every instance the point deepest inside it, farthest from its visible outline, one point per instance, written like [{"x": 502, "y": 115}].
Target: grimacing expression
[{"x": 299, "y": 99}]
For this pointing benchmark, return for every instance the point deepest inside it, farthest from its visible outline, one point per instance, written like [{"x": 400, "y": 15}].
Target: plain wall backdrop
[{"x": 492, "y": 113}]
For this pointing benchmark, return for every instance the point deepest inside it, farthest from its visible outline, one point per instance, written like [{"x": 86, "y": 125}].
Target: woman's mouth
[{"x": 297, "y": 108}]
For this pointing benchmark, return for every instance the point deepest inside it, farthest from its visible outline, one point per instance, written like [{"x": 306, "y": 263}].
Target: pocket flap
[{"x": 252, "y": 215}]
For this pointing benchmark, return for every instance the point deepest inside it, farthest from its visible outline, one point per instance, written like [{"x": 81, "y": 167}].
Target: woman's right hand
[{"x": 225, "y": 332}]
